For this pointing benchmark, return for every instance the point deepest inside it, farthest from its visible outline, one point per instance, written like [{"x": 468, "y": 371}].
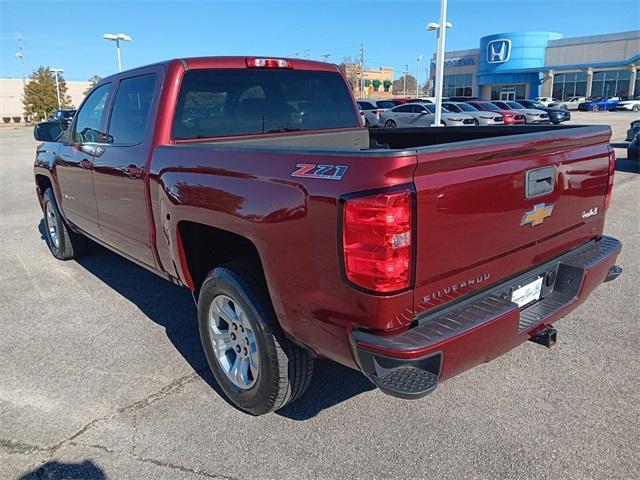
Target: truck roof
[{"x": 197, "y": 63}]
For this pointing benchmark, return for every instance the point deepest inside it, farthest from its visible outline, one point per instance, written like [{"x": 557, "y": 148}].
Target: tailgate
[{"x": 489, "y": 209}]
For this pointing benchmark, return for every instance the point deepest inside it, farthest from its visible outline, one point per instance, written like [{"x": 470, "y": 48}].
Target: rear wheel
[
  {"x": 390, "y": 124},
  {"x": 62, "y": 241},
  {"x": 255, "y": 365},
  {"x": 366, "y": 123}
]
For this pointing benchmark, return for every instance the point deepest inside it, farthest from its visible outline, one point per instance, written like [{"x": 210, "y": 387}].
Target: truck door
[
  {"x": 120, "y": 172},
  {"x": 74, "y": 164}
]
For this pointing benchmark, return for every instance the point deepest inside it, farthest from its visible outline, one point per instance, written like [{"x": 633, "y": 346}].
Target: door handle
[{"x": 133, "y": 171}]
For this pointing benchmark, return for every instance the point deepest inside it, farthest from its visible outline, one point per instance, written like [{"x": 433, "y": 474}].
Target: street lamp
[
  {"x": 56, "y": 71},
  {"x": 418, "y": 77},
  {"x": 113, "y": 37},
  {"x": 440, "y": 57}
]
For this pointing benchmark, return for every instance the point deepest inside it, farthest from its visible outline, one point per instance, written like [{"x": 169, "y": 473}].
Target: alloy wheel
[
  {"x": 233, "y": 342},
  {"x": 52, "y": 225}
]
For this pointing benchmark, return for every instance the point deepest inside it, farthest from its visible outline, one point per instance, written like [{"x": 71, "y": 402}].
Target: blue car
[{"x": 600, "y": 103}]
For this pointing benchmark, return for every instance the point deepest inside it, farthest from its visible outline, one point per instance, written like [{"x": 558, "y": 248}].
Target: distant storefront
[
  {"x": 376, "y": 82},
  {"x": 508, "y": 66},
  {"x": 11, "y": 90}
]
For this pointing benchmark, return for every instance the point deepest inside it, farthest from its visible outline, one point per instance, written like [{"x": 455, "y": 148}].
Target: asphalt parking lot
[{"x": 102, "y": 376}]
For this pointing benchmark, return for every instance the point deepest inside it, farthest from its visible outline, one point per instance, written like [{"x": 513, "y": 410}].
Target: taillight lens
[
  {"x": 376, "y": 239},
  {"x": 612, "y": 169}
]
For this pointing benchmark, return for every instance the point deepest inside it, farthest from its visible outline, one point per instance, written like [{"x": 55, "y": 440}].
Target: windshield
[
  {"x": 515, "y": 105},
  {"x": 465, "y": 107},
  {"x": 229, "y": 102},
  {"x": 386, "y": 104},
  {"x": 490, "y": 106},
  {"x": 536, "y": 104},
  {"x": 432, "y": 108}
]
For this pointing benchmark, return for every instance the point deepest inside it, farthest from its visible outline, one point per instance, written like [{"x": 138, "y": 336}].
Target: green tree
[
  {"x": 93, "y": 80},
  {"x": 39, "y": 97}
]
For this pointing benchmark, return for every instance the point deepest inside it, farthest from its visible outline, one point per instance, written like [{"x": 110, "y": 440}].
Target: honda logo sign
[{"x": 498, "y": 51}]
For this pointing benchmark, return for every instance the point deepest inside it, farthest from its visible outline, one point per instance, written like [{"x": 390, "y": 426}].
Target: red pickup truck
[{"x": 409, "y": 254}]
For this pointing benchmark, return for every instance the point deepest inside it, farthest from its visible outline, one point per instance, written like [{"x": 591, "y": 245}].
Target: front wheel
[
  {"x": 258, "y": 368},
  {"x": 63, "y": 242},
  {"x": 390, "y": 124},
  {"x": 596, "y": 108},
  {"x": 636, "y": 107}
]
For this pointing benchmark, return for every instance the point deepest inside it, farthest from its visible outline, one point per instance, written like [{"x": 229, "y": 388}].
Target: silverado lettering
[{"x": 210, "y": 180}]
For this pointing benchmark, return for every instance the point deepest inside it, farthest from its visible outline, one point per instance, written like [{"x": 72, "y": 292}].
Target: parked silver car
[
  {"x": 422, "y": 115},
  {"x": 481, "y": 118},
  {"x": 568, "y": 104},
  {"x": 531, "y": 115}
]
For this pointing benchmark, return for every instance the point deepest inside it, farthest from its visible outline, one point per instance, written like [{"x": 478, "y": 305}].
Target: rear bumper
[{"x": 485, "y": 325}]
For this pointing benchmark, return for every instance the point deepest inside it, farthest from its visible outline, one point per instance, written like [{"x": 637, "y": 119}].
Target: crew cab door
[
  {"x": 120, "y": 172},
  {"x": 74, "y": 163}
]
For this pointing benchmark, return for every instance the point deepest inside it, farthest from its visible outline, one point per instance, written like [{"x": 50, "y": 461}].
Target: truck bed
[{"x": 393, "y": 138}]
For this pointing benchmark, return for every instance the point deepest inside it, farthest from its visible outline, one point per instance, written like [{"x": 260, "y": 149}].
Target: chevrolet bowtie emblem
[{"x": 537, "y": 214}]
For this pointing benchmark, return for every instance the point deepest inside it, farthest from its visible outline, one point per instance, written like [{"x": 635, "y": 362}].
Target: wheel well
[
  {"x": 206, "y": 248},
  {"x": 43, "y": 183}
]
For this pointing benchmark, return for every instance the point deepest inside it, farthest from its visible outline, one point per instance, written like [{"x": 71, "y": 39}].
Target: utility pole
[
  {"x": 418, "y": 77},
  {"x": 362, "y": 70},
  {"x": 20, "y": 57}
]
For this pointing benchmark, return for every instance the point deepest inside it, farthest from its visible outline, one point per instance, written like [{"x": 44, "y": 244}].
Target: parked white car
[
  {"x": 371, "y": 113},
  {"x": 546, "y": 101},
  {"x": 630, "y": 105},
  {"x": 481, "y": 117},
  {"x": 422, "y": 115},
  {"x": 568, "y": 104}
]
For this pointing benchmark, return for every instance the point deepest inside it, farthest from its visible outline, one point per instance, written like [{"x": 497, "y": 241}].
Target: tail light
[
  {"x": 376, "y": 241},
  {"x": 268, "y": 63},
  {"x": 612, "y": 169}
]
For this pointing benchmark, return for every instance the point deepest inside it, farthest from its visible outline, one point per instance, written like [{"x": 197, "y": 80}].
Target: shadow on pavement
[
  {"x": 173, "y": 308},
  {"x": 54, "y": 470},
  {"x": 332, "y": 384}
]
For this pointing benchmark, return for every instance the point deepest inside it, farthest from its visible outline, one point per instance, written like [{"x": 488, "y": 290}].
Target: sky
[{"x": 68, "y": 34}]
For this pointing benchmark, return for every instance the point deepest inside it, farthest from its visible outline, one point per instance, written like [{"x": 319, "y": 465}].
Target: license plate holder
[{"x": 528, "y": 293}]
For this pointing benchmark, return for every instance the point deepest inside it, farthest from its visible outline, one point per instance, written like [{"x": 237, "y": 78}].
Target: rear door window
[
  {"x": 230, "y": 102},
  {"x": 130, "y": 113}
]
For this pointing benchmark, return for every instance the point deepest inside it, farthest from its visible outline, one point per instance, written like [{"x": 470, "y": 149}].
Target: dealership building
[{"x": 508, "y": 66}]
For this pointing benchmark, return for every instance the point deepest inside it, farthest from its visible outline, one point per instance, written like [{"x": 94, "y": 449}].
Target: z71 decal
[{"x": 323, "y": 172}]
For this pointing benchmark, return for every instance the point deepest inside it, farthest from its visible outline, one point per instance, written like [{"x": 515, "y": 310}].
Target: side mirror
[{"x": 48, "y": 131}]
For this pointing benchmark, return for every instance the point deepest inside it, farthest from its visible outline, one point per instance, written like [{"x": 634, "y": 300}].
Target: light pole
[
  {"x": 440, "y": 57},
  {"x": 113, "y": 37},
  {"x": 56, "y": 71},
  {"x": 404, "y": 87},
  {"x": 418, "y": 77}
]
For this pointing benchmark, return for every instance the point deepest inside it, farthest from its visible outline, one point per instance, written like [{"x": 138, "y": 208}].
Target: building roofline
[{"x": 606, "y": 37}]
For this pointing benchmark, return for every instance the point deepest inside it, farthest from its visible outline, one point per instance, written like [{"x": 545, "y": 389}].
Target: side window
[
  {"x": 130, "y": 112},
  {"x": 419, "y": 109},
  {"x": 404, "y": 109},
  {"x": 87, "y": 128}
]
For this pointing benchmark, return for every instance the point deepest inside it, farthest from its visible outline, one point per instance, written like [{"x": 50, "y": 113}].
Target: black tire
[
  {"x": 596, "y": 108},
  {"x": 61, "y": 240},
  {"x": 366, "y": 123},
  {"x": 636, "y": 107},
  {"x": 285, "y": 370},
  {"x": 390, "y": 124}
]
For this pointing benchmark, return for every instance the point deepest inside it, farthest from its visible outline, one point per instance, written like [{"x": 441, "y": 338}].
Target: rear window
[{"x": 221, "y": 102}]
